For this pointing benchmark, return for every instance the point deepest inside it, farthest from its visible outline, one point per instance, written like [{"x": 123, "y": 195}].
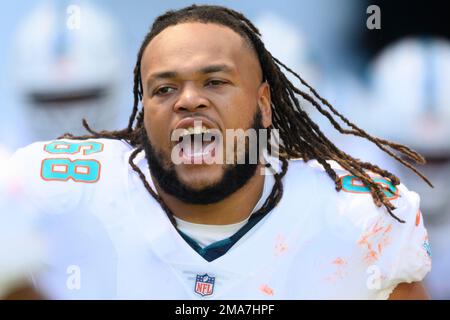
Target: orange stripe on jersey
[{"x": 418, "y": 218}]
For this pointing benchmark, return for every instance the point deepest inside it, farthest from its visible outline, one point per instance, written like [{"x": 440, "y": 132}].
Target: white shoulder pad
[
  {"x": 393, "y": 252},
  {"x": 56, "y": 175}
]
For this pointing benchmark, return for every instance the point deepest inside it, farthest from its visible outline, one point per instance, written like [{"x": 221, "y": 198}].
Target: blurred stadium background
[{"x": 392, "y": 81}]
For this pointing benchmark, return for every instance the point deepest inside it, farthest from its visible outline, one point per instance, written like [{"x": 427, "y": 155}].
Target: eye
[
  {"x": 215, "y": 82},
  {"x": 161, "y": 91}
]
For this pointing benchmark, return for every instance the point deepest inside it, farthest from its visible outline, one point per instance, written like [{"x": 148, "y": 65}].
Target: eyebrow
[{"x": 205, "y": 70}]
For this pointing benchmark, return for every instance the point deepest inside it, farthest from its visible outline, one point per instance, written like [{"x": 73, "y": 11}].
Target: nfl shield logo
[{"x": 204, "y": 285}]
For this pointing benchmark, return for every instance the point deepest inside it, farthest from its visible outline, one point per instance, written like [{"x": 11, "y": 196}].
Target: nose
[{"x": 191, "y": 99}]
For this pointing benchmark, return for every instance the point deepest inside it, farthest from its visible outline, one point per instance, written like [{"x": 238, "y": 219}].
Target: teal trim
[
  {"x": 73, "y": 147},
  {"x": 219, "y": 248},
  {"x": 92, "y": 175},
  {"x": 427, "y": 247},
  {"x": 347, "y": 185},
  {"x": 216, "y": 245},
  {"x": 190, "y": 241}
]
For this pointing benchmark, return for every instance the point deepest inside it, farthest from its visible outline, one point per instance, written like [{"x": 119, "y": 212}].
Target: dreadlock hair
[{"x": 300, "y": 137}]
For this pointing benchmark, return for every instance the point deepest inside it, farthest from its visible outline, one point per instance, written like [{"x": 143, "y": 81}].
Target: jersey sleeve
[
  {"x": 57, "y": 176},
  {"x": 26, "y": 168},
  {"x": 388, "y": 252},
  {"x": 408, "y": 256},
  {"x": 22, "y": 248},
  {"x": 393, "y": 252},
  {"x": 61, "y": 191}
]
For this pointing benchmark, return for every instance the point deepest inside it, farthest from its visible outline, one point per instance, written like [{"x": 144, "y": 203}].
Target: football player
[{"x": 124, "y": 220}]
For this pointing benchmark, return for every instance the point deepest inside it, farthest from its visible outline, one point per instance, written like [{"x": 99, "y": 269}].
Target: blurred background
[{"x": 62, "y": 61}]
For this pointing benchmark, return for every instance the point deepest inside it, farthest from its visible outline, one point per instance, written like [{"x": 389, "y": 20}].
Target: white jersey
[
  {"x": 21, "y": 249},
  {"x": 207, "y": 234},
  {"x": 109, "y": 239}
]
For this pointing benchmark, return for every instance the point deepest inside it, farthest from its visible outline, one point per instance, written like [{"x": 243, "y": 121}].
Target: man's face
[{"x": 200, "y": 72}]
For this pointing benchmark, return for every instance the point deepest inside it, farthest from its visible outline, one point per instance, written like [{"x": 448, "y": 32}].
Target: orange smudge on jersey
[
  {"x": 383, "y": 242},
  {"x": 364, "y": 239},
  {"x": 377, "y": 228},
  {"x": 266, "y": 290},
  {"x": 280, "y": 245},
  {"x": 339, "y": 261},
  {"x": 418, "y": 218},
  {"x": 374, "y": 240},
  {"x": 371, "y": 257},
  {"x": 388, "y": 229},
  {"x": 339, "y": 272}
]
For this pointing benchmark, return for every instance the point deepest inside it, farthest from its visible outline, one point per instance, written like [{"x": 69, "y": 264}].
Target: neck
[{"x": 233, "y": 209}]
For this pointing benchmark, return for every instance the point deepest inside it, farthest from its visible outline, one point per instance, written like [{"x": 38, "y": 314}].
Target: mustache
[{"x": 234, "y": 176}]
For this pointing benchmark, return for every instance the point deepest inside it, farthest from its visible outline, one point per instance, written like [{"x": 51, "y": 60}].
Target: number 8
[{"x": 63, "y": 169}]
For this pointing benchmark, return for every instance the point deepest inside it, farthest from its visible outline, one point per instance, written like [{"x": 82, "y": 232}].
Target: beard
[{"x": 234, "y": 177}]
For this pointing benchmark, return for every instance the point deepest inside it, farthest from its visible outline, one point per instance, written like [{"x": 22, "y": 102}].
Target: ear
[{"x": 265, "y": 103}]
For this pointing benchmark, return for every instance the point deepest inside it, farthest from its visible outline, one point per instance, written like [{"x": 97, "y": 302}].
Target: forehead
[{"x": 190, "y": 45}]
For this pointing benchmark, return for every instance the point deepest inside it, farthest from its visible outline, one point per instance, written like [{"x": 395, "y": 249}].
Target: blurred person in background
[
  {"x": 67, "y": 67},
  {"x": 411, "y": 104},
  {"x": 64, "y": 70}
]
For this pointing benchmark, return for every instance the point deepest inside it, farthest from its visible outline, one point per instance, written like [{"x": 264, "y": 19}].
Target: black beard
[{"x": 234, "y": 177}]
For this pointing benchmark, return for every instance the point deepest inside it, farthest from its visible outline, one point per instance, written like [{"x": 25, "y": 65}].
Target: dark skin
[
  {"x": 25, "y": 292},
  {"x": 228, "y": 97},
  {"x": 227, "y": 94},
  {"x": 410, "y": 291}
]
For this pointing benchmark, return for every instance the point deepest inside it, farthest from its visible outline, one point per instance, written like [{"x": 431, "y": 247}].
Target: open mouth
[{"x": 197, "y": 144}]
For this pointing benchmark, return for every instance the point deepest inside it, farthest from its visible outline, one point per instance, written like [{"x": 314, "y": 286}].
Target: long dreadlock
[{"x": 300, "y": 137}]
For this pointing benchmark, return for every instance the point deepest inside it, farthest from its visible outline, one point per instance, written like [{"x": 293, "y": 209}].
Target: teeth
[
  {"x": 195, "y": 130},
  {"x": 185, "y": 133}
]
